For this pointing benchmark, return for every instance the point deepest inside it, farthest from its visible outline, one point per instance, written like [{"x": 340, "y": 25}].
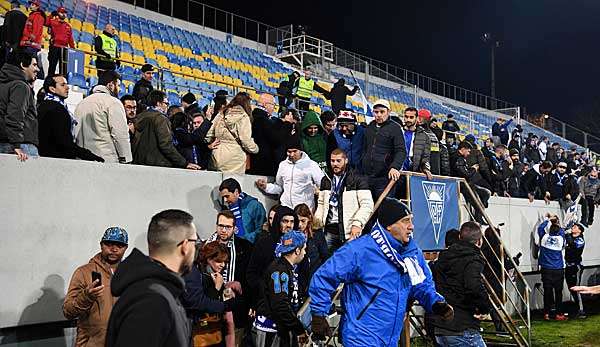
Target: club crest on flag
[{"x": 434, "y": 194}]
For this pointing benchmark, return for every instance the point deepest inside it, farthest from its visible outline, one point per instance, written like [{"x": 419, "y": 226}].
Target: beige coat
[
  {"x": 92, "y": 316},
  {"x": 229, "y": 156},
  {"x": 102, "y": 126}
]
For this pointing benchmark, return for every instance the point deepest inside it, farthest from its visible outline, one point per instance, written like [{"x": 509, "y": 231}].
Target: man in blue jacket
[
  {"x": 551, "y": 240},
  {"x": 382, "y": 272},
  {"x": 250, "y": 214}
]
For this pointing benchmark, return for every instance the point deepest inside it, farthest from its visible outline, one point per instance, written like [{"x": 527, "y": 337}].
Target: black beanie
[
  {"x": 189, "y": 98},
  {"x": 390, "y": 211},
  {"x": 293, "y": 142}
]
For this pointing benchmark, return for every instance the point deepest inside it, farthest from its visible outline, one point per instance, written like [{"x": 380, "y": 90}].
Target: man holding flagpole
[{"x": 381, "y": 271}]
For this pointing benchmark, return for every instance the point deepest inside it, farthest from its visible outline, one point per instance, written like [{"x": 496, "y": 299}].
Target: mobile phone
[{"x": 97, "y": 276}]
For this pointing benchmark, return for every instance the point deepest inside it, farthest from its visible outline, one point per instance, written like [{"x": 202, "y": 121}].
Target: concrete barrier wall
[{"x": 54, "y": 212}]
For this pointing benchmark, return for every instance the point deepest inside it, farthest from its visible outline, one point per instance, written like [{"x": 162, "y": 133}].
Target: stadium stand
[{"x": 202, "y": 64}]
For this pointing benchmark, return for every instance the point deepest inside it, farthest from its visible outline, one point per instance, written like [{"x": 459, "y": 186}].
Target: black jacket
[
  {"x": 264, "y": 253},
  {"x": 338, "y": 95},
  {"x": 574, "y": 248},
  {"x": 56, "y": 139},
  {"x": 147, "y": 290},
  {"x": 457, "y": 275},
  {"x": 383, "y": 148},
  {"x": 12, "y": 29},
  {"x": 531, "y": 154},
  {"x": 268, "y": 138},
  {"x": 532, "y": 182},
  {"x": 141, "y": 89},
  {"x": 483, "y": 177},
  {"x": 421, "y": 151},
  {"x": 243, "y": 252},
  {"x": 461, "y": 169},
  {"x": 514, "y": 181},
  {"x": 193, "y": 109},
  {"x": 196, "y": 299},
  {"x": 500, "y": 172},
  {"x": 552, "y": 155},
  {"x": 282, "y": 132},
  {"x": 451, "y": 126},
  {"x": 280, "y": 297},
  {"x": 18, "y": 115},
  {"x": 558, "y": 188}
]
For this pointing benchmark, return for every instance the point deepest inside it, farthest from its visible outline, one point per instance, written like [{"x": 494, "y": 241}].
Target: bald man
[
  {"x": 105, "y": 46},
  {"x": 265, "y": 132}
]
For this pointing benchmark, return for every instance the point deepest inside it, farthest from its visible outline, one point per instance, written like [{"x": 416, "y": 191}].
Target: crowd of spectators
[{"x": 328, "y": 170}]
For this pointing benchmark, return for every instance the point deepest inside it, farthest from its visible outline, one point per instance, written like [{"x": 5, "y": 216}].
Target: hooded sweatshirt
[
  {"x": 18, "y": 116},
  {"x": 295, "y": 182},
  {"x": 147, "y": 290},
  {"x": 314, "y": 146},
  {"x": 264, "y": 252}
]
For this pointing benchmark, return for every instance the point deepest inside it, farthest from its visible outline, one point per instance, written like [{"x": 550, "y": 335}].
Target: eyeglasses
[
  {"x": 225, "y": 227},
  {"x": 197, "y": 242}
]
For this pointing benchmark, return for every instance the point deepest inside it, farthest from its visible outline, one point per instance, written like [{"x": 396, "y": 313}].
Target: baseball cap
[
  {"x": 290, "y": 241},
  {"x": 147, "y": 68},
  {"x": 425, "y": 114},
  {"x": 382, "y": 102},
  {"x": 116, "y": 234}
]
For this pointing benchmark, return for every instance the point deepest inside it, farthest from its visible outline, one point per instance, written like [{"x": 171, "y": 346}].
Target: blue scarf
[
  {"x": 335, "y": 190},
  {"x": 407, "y": 265},
  {"x": 56, "y": 98},
  {"x": 237, "y": 213}
]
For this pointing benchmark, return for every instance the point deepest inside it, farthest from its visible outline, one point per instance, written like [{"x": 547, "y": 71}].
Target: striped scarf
[
  {"x": 407, "y": 265},
  {"x": 228, "y": 271},
  {"x": 236, "y": 209}
]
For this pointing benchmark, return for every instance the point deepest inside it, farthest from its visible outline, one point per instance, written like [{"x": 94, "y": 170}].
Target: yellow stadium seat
[
  {"x": 84, "y": 46},
  {"x": 126, "y": 56},
  {"x": 124, "y": 36},
  {"x": 138, "y": 59},
  {"x": 75, "y": 23},
  {"x": 197, "y": 73},
  {"x": 174, "y": 67},
  {"x": 186, "y": 70},
  {"x": 88, "y": 27}
]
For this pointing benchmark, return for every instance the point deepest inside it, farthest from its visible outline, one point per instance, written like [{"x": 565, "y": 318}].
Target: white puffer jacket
[{"x": 295, "y": 182}]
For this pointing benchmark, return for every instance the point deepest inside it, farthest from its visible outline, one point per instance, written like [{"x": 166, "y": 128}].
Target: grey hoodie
[
  {"x": 589, "y": 187},
  {"x": 18, "y": 115}
]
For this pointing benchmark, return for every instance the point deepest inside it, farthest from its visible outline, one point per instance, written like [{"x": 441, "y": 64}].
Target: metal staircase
[{"x": 508, "y": 291}]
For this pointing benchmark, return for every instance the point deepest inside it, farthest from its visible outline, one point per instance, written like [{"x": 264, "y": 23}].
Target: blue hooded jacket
[
  {"x": 352, "y": 145},
  {"x": 551, "y": 247},
  {"x": 253, "y": 216},
  {"x": 375, "y": 293}
]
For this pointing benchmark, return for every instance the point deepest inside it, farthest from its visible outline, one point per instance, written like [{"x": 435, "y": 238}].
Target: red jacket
[
  {"x": 33, "y": 30},
  {"x": 61, "y": 33}
]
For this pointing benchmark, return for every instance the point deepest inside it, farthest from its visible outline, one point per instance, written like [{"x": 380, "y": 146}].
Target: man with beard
[
  {"x": 533, "y": 182},
  {"x": 149, "y": 310},
  {"x": 349, "y": 137},
  {"x": 234, "y": 271},
  {"x": 89, "y": 299},
  {"x": 439, "y": 160},
  {"x": 418, "y": 145},
  {"x": 344, "y": 203},
  {"x": 514, "y": 181}
]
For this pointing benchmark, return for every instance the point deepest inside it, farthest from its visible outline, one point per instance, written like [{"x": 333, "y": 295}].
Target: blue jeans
[
  {"x": 28, "y": 148},
  {"x": 470, "y": 338}
]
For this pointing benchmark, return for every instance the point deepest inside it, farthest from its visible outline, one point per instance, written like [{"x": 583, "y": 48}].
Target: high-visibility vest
[
  {"x": 109, "y": 45},
  {"x": 305, "y": 87}
]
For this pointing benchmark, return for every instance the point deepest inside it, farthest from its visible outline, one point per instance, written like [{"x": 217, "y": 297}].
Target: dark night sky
[{"x": 547, "y": 62}]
